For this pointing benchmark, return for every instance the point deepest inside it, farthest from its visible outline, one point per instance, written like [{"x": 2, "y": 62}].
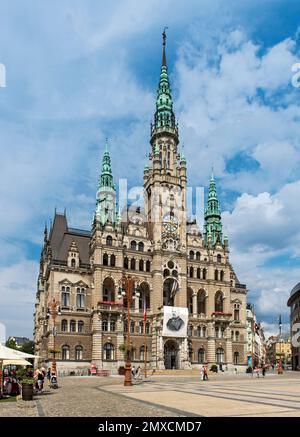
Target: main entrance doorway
[{"x": 171, "y": 355}]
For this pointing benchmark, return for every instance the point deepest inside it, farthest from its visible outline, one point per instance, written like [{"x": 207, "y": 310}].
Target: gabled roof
[{"x": 61, "y": 237}]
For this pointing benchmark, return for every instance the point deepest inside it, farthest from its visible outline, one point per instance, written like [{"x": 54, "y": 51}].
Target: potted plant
[
  {"x": 27, "y": 389},
  {"x": 214, "y": 368},
  {"x": 121, "y": 370}
]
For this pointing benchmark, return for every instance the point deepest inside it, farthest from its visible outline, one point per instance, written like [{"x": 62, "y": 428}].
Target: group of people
[
  {"x": 39, "y": 376},
  {"x": 204, "y": 373},
  {"x": 136, "y": 372}
]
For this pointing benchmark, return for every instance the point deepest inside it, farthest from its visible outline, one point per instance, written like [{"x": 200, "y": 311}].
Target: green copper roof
[
  {"x": 106, "y": 177},
  {"x": 164, "y": 115},
  {"x": 212, "y": 214}
]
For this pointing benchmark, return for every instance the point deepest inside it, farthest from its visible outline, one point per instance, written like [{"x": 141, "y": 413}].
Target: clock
[{"x": 170, "y": 223}]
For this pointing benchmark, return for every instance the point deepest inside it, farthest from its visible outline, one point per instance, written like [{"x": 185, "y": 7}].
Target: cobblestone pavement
[
  {"x": 82, "y": 397},
  {"x": 222, "y": 395}
]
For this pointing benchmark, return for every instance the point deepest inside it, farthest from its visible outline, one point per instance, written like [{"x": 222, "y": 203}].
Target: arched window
[
  {"x": 133, "y": 245},
  {"x": 204, "y": 331},
  {"x": 148, "y": 266},
  {"x": 108, "y": 290},
  {"x": 64, "y": 325},
  {"x": 201, "y": 355},
  {"x": 191, "y": 272},
  {"x": 219, "y": 258},
  {"x": 112, "y": 325},
  {"x": 204, "y": 273},
  {"x": 192, "y": 254},
  {"x": 201, "y": 302},
  {"x": 65, "y": 296},
  {"x": 222, "y": 275},
  {"x": 142, "y": 353},
  {"x": 105, "y": 259},
  {"x": 166, "y": 273},
  {"x": 220, "y": 355},
  {"x": 219, "y": 302},
  {"x": 198, "y": 256},
  {"x": 190, "y": 300},
  {"x": 141, "y": 247},
  {"x": 141, "y": 328},
  {"x": 125, "y": 262},
  {"x": 80, "y": 326},
  {"x": 132, "y": 327},
  {"x": 80, "y": 298},
  {"x": 105, "y": 325},
  {"x": 78, "y": 353},
  {"x": 147, "y": 328},
  {"x": 190, "y": 330},
  {"x": 73, "y": 262},
  {"x": 237, "y": 336},
  {"x": 108, "y": 351},
  {"x": 198, "y": 273},
  {"x": 141, "y": 265},
  {"x": 65, "y": 353},
  {"x": 222, "y": 332},
  {"x": 109, "y": 240},
  {"x": 236, "y": 358},
  {"x": 236, "y": 312},
  {"x": 216, "y": 275},
  {"x": 113, "y": 260},
  {"x": 132, "y": 264},
  {"x": 72, "y": 326}
]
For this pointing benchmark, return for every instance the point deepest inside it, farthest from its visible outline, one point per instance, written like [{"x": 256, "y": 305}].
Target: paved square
[{"x": 222, "y": 395}]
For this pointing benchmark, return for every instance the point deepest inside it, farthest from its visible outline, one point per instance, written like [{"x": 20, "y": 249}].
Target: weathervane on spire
[
  {"x": 164, "y": 35},
  {"x": 164, "y": 60}
]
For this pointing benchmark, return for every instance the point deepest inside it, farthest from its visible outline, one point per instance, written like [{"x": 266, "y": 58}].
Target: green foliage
[
  {"x": 214, "y": 368},
  {"x": 28, "y": 347},
  {"x": 11, "y": 343}
]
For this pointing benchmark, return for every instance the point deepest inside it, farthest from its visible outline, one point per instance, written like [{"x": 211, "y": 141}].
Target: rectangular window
[{"x": 65, "y": 299}]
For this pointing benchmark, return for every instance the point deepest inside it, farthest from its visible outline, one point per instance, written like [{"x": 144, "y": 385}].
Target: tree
[
  {"x": 11, "y": 343},
  {"x": 28, "y": 347}
]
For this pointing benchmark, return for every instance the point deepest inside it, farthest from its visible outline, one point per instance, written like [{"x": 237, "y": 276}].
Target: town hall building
[{"x": 175, "y": 264}]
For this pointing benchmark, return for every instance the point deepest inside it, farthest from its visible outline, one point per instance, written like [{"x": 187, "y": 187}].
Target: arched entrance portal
[{"x": 171, "y": 355}]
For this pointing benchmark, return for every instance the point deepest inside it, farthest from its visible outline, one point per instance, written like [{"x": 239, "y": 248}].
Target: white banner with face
[{"x": 175, "y": 322}]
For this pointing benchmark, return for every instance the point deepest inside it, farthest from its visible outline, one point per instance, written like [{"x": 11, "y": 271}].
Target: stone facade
[
  {"x": 294, "y": 304},
  {"x": 173, "y": 262}
]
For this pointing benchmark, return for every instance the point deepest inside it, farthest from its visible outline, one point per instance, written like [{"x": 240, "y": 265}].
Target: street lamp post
[
  {"x": 53, "y": 310},
  {"x": 128, "y": 288}
]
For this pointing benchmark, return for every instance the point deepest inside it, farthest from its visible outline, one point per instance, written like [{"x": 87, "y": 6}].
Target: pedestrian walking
[
  {"x": 263, "y": 371},
  {"x": 40, "y": 380},
  {"x": 49, "y": 376},
  {"x": 202, "y": 373},
  {"x": 205, "y": 374},
  {"x": 133, "y": 371}
]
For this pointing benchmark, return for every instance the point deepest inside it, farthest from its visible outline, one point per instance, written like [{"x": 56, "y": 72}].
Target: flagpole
[{"x": 145, "y": 346}]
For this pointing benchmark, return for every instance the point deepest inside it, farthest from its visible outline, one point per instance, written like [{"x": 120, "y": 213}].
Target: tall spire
[
  {"x": 164, "y": 115},
  {"x": 212, "y": 214},
  {"x": 106, "y": 177},
  {"x": 106, "y": 194}
]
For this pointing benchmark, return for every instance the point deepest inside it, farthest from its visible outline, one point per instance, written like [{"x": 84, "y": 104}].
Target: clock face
[{"x": 170, "y": 223}]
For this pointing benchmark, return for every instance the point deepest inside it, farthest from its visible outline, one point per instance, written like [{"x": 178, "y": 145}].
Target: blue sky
[{"x": 80, "y": 71}]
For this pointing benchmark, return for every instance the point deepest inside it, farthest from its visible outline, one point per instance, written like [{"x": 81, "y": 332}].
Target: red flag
[{"x": 145, "y": 311}]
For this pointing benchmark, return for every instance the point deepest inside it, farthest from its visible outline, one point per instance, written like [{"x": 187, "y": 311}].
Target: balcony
[
  {"x": 221, "y": 316},
  {"x": 110, "y": 306},
  {"x": 84, "y": 331}
]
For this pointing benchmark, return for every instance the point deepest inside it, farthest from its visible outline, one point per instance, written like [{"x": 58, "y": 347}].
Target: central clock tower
[
  {"x": 165, "y": 196},
  {"x": 165, "y": 177}
]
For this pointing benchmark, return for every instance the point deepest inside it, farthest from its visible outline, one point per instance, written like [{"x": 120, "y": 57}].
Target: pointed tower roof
[
  {"x": 106, "y": 177},
  {"x": 212, "y": 214},
  {"x": 164, "y": 115}
]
